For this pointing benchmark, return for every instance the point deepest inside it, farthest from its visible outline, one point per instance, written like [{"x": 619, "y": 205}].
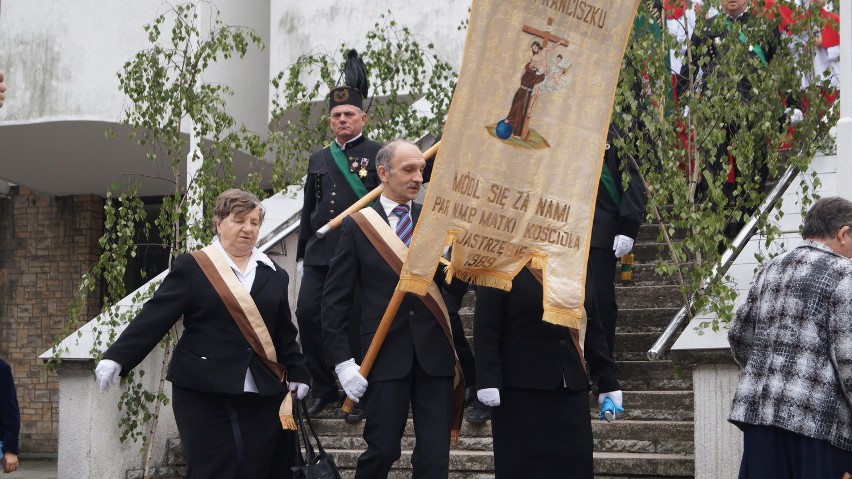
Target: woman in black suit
[
  {"x": 225, "y": 398},
  {"x": 533, "y": 375}
]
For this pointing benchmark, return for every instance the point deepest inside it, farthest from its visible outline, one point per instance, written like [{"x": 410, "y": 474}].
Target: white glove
[
  {"x": 300, "y": 390},
  {"x": 622, "y": 245},
  {"x": 300, "y": 269},
  {"x": 489, "y": 396},
  {"x": 796, "y": 116},
  {"x": 615, "y": 396},
  {"x": 106, "y": 373},
  {"x": 349, "y": 374}
]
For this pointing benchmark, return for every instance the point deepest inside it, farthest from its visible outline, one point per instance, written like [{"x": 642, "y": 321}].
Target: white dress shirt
[{"x": 247, "y": 280}]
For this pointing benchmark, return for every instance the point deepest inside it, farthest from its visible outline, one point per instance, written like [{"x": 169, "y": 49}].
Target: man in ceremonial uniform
[
  {"x": 416, "y": 364},
  {"x": 338, "y": 175},
  {"x": 619, "y": 212},
  {"x": 712, "y": 45}
]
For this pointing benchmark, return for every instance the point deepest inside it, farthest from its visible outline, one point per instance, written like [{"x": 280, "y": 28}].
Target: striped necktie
[{"x": 404, "y": 227}]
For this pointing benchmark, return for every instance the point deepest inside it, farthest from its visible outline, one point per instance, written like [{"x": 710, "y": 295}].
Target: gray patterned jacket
[{"x": 793, "y": 339}]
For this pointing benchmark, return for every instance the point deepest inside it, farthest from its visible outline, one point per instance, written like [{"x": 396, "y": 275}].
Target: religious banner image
[{"x": 520, "y": 161}]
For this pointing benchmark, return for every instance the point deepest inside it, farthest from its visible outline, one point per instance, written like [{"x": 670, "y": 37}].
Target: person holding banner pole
[
  {"x": 619, "y": 212},
  {"x": 338, "y": 175},
  {"x": 416, "y": 364}
]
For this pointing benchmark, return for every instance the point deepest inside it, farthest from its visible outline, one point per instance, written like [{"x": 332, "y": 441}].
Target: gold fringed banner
[{"x": 520, "y": 159}]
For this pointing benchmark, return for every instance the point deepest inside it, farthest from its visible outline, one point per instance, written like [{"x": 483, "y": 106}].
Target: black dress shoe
[
  {"x": 478, "y": 413},
  {"x": 318, "y": 404},
  {"x": 355, "y": 416}
]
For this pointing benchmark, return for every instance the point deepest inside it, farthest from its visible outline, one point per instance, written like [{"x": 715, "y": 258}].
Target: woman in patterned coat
[{"x": 793, "y": 339}]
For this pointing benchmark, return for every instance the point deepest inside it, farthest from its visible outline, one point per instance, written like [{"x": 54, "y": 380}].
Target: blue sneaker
[{"x": 609, "y": 410}]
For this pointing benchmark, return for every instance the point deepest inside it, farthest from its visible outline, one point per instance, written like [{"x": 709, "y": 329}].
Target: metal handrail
[
  {"x": 281, "y": 233},
  {"x": 666, "y": 339}
]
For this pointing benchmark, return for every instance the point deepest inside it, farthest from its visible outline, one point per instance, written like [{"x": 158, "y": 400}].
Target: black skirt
[
  {"x": 542, "y": 434},
  {"x": 232, "y": 436},
  {"x": 771, "y": 452}
]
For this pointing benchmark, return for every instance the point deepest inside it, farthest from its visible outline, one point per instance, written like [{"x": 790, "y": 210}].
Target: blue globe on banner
[{"x": 503, "y": 130}]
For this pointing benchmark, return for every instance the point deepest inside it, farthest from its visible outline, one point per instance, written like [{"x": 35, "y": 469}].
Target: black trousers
[
  {"x": 308, "y": 315},
  {"x": 231, "y": 437},
  {"x": 773, "y": 453},
  {"x": 602, "y": 313},
  {"x": 453, "y": 299},
  {"x": 430, "y": 398},
  {"x": 542, "y": 434}
]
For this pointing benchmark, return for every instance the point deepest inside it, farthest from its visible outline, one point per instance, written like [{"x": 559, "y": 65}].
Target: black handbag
[{"x": 313, "y": 464}]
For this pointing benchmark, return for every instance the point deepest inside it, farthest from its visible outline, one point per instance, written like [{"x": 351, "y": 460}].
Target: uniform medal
[{"x": 363, "y": 171}]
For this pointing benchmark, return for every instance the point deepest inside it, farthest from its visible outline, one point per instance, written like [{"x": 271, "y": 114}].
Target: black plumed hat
[{"x": 356, "y": 84}]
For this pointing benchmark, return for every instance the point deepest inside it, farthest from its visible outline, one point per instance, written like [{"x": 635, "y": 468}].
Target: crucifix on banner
[{"x": 539, "y": 63}]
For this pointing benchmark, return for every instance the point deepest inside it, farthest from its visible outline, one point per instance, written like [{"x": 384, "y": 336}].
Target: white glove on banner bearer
[
  {"x": 622, "y": 245},
  {"x": 107, "y": 372},
  {"x": 300, "y": 269},
  {"x": 300, "y": 390},
  {"x": 349, "y": 375},
  {"x": 489, "y": 396}
]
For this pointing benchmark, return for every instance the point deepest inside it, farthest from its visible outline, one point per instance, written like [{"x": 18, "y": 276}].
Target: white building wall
[
  {"x": 300, "y": 28},
  {"x": 61, "y": 58},
  {"x": 89, "y": 434}
]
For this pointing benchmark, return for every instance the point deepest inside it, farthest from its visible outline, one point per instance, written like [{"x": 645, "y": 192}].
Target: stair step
[
  {"x": 647, "y": 466},
  {"x": 653, "y": 376},
  {"x": 646, "y": 272},
  {"x": 630, "y": 343},
  {"x": 650, "y": 232},
  {"x": 460, "y": 461},
  {"x": 478, "y": 465},
  {"x": 660, "y": 296},
  {"x": 653, "y": 406},
  {"x": 622, "y": 435},
  {"x": 639, "y": 320},
  {"x": 658, "y": 437}
]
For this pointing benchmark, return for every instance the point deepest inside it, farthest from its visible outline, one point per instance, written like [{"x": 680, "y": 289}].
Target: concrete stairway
[{"x": 652, "y": 439}]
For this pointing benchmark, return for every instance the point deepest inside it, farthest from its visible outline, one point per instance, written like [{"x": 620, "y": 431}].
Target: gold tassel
[
  {"x": 448, "y": 271},
  {"x": 418, "y": 286},
  {"x": 285, "y": 413},
  {"x": 454, "y": 437},
  {"x": 627, "y": 267},
  {"x": 538, "y": 261},
  {"x": 483, "y": 279},
  {"x": 562, "y": 318},
  {"x": 451, "y": 238}
]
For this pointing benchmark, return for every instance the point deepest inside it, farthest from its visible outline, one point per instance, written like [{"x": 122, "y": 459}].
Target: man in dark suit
[
  {"x": 416, "y": 363},
  {"x": 619, "y": 212},
  {"x": 338, "y": 175}
]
